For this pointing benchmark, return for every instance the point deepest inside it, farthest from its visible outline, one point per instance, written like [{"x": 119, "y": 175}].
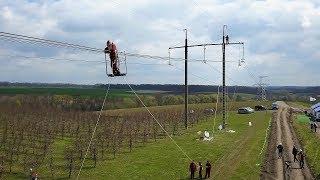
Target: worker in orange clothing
[{"x": 111, "y": 48}]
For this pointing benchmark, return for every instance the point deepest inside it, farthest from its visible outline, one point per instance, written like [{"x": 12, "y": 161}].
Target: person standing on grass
[
  {"x": 294, "y": 153},
  {"x": 208, "y": 169},
  {"x": 315, "y": 127},
  {"x": 192, "y": 169},
  {"x": 200, "y": 170},
  {"x": 280, "y": 150}
]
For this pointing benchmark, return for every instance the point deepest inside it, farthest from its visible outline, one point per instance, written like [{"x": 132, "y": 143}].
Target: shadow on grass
[{"x": 188, "y": 178}]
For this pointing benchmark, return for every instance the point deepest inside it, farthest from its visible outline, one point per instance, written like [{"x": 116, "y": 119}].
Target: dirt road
[{"x": 282, "y": 132}]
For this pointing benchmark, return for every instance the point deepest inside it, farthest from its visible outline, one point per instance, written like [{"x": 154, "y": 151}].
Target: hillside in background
[{"x": 177, "y": 88}]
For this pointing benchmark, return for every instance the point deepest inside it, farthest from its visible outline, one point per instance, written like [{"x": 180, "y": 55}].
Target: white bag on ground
[{"x": 207, "y": 136}]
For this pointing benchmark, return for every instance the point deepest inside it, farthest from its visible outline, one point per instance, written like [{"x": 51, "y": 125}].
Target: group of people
[
  {"x": 33, "y": 174},
  {"x": 193, "y": 168},
  {"x": 298, "y": 155}
]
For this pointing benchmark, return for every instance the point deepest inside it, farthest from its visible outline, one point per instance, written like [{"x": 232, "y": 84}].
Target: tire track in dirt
[
  {"x": 285, "y": 134},
  {"x": 273, "y": 166},
  {"x": 306, "y": 172}
]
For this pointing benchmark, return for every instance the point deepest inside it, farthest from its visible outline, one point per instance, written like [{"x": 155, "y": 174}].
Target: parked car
[
  {"x": 260, "y": 108},
  {"x": 209, "y": 111},
  {"x": 245, "y": 110},
  {"x": 274, "y": 106}
]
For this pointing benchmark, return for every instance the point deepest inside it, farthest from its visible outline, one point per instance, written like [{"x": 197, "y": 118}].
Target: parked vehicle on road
[
  {"x": 245, "y": 110},
  {"x": 260, "y": 108},
  {"x": 209, "y": 111},
  {"x": 275, "y": 106}
]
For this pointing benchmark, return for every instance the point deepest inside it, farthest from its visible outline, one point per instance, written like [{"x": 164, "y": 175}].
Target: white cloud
[
  {"x": 278, "y": 35},
  {"x": 305, "y": 22}
]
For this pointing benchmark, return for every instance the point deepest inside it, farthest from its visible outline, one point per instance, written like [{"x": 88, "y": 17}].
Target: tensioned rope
[
  {"x": 154, "y": 118},
  {"x": 215, "y": 111},
  {"x": 95, "y": 128}
]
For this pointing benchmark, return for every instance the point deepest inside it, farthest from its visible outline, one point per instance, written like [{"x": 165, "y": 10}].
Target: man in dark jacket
[
  {"x": 311, "y": 126},
  {"x": 192, "y": 169},
  {"x": 302, "y": 157},
  {"x": 208, "y": 169},
  {"x": 280, "y": 150},
  {"x": 294, "y": 153}
]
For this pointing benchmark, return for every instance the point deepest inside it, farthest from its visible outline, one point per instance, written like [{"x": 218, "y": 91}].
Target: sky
[{"x": 281, "y": 40}]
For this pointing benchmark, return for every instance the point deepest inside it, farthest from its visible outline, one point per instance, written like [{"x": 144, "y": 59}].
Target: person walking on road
[
  {"x": 200, "y": 170},
  {"x": 287, "y": 163},
  {"x": 294, "y": 153},
  {"x": 192, "y": 169},
  {"x": 280, "y": 150},
  {"x": 208, "y": 169},
  {"x": 301, "y": 157}
]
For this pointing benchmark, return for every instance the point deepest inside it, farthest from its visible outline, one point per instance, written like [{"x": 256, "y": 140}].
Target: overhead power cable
[
  {"x": 68, "y": 59},
  {"x": 52, "y": 43}
]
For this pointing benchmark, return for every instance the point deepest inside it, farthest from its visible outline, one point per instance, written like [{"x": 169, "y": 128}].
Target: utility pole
[
  {"x": 186, "y": 81},
  {"x": 224, "y": 76},
  {"x": 225, "y": 41}
]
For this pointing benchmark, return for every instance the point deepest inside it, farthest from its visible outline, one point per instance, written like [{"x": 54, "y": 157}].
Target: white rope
[
  {"x": 265, "y": 140},
  {"x": 158, "y": 121},
  {"x": 94, "y": 130}
]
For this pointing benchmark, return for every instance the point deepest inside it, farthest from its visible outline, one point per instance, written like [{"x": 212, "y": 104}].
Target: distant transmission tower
[{"x": 262, "y": 93}]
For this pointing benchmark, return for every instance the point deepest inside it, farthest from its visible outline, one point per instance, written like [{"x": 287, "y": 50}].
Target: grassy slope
[
  {"x": 310, "y": 143},
  {"x": 232, "y": 155},
  {"x": 84, "y": 92},
  {"x": 309, "y": 140}
]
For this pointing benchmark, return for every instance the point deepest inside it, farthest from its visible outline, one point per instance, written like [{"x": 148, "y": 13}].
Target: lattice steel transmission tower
[{"x": 262, "y": 93}]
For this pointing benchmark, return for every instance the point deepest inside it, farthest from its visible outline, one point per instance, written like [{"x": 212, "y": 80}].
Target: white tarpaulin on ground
[
  {"x": 231, "y": 131},
  {"x": 207, "y": 136}
]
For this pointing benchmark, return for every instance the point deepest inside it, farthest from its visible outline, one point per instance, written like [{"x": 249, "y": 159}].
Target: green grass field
[
  {"x": 82, "y": 92},
  {"x": 233, "y": 155},
  {"x": 310, "y": 142}
]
